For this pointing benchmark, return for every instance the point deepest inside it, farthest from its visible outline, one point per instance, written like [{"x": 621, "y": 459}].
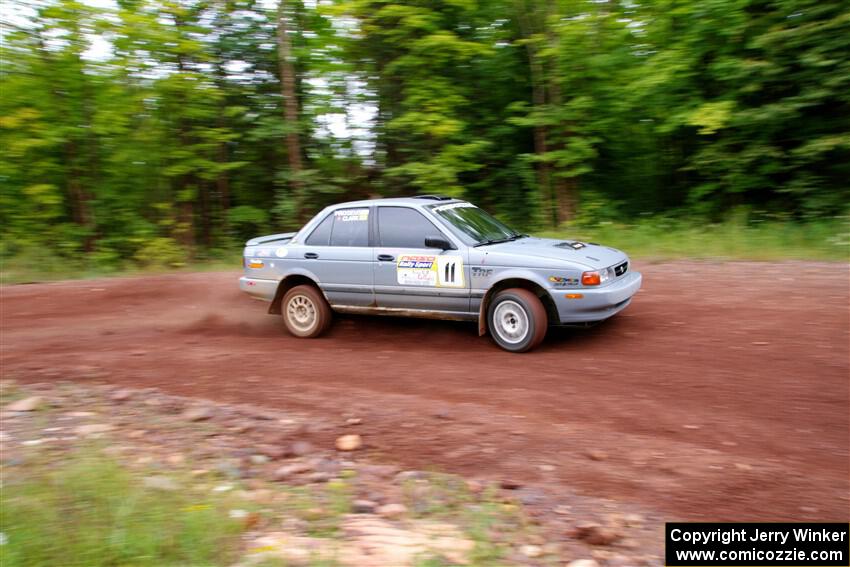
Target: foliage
[
  {"x": 671, "y": 237},
  {"x": 155, "y": 133},
  {"x": 90, "y": 511}
]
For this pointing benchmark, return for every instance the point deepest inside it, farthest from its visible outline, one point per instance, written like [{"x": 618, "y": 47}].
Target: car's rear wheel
[
  {"x": 305, "y": 312},
  {"x": 517, "y": 320}
]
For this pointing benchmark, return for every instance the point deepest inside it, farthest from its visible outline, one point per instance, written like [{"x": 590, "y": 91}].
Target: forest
[{"x": 168, "y": 131}]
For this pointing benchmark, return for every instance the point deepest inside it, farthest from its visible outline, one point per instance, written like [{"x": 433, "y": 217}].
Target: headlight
[{"x": 596, "y": 277}]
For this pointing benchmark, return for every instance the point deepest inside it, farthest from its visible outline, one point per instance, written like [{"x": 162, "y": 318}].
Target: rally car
[{"x": 436, "y": 257}]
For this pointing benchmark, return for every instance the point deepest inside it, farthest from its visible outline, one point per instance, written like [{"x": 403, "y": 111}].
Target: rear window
[{"x": 350, "y": 227}]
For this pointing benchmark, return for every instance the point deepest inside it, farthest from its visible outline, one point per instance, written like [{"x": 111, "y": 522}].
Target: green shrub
[
  {"x": 91, "y": 512},
  {"x": 161, "y": 252}
]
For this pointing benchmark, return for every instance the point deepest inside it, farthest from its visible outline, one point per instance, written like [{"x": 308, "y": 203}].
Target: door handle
[
  {"x": 386, "y": 257},
  {"x": 311, "y": 255}
]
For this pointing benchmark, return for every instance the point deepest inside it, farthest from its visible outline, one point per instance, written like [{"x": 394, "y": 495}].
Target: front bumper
[
  {"x": 258, "y": 288},
  {"x": 596, "y": 304}
]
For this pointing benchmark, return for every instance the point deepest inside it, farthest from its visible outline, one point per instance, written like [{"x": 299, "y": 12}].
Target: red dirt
[{"x": 721, "y": 393}]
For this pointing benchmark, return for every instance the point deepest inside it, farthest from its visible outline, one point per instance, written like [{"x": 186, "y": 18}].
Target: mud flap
[{"x": 482, "y": 315}]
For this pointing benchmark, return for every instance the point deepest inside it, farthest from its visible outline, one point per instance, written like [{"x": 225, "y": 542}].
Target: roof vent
[{"x": 434, "y": 197}]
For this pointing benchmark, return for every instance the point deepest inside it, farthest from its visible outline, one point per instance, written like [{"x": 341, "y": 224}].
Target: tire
[
  {"x": 305, "y": 312},
  {"x": 517, "y": 320}
]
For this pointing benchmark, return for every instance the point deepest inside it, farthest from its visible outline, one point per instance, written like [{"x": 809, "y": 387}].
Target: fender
[
  {"x": 295, "y": 277},
  {"x": 537, "y": 284}
]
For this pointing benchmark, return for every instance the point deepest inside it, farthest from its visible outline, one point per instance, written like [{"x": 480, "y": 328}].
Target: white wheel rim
[
  {"x": 301, "y": 312},
  {"x": 510, "y": 322}
]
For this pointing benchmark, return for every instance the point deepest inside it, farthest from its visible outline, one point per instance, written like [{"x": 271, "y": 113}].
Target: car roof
[{"x": 421, "y": 200}]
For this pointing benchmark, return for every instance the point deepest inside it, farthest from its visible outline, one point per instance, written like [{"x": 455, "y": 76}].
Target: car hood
[{"x": 591, "y": 255}]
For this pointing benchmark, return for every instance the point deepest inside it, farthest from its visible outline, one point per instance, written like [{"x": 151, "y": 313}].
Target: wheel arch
[
  {"x": 288, "y": 283},
  {"x": 523, "y": 283}
]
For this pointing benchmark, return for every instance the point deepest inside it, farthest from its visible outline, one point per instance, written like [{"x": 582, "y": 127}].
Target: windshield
[{"x": 479, "y": 226}]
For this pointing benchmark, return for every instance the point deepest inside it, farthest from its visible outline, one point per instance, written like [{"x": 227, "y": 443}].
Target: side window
[
  {"x": 401, "y": 227},
  {"x": 350, "y": 227},
  {"x": 321, "y": 235}
]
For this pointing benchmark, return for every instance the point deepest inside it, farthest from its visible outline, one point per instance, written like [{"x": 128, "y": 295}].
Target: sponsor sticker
[
  {"x": 352, "y": 215},
  {"x": 562, "y": 281},
  {"x": 429, "y": 271},
  {"x": 281, "y": 252}
]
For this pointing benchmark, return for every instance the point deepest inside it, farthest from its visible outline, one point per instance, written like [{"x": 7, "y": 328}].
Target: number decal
[
  {"x": 450, "y": 269},
  {"x": 430, "y": 271}
]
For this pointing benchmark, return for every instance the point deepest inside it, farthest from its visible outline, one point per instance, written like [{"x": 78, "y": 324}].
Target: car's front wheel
[
  {"x": 305, "y": 312},
  {"x": 517, "y": 320}
]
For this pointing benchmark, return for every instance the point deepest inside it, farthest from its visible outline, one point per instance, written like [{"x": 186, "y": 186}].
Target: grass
[
  {"x": 667, "y": 239},
  {"x": 88, "y": 510},
  {"x": 651, "y": 238},
  {"x": 92, "y": 512},
  {"x": 27, "y": 269}
]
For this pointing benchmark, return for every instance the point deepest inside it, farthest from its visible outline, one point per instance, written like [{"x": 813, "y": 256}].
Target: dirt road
[{"x": 722, "y": 393}]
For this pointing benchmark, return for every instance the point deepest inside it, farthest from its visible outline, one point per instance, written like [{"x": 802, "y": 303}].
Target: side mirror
[{"x": 438, "y": 242}]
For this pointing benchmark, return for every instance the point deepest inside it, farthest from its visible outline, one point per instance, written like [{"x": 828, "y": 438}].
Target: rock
[
  {"x": 406, "y": 476},
  {"x": 160, "y": 483},
  {"x": 633, "y": 520},
  {"x": 597, "y": 455},
  {"x": 328, "y": 466},
  {"x": 349, "y": 442},
  {"x": 80, "y": 414},
  {"x": 552, "y": 548},
  {"x": 197, "y": 413},
  {"x": 318, "y": 477},
  {"x": 93, "y": 429},
  {"x": 237, "y": 514},
  {"x": 474, "y": 486},
  {"x": 229, "y": 469},
  {"x": 583, "y": 563},
  {"x": 363, "y": 506},
  {"x": 300, "y": 448},
  {"x": 378, "y": 471},
  {"x": 509, "y": 484},
  {"x": 547, "y": 468},
  {"x": 373, "y": 541},
  {"x": 392, "y": 511},
  {"x": 286, "y": 472},
  {"x": 272, "y": 451},
  {"x": 531, "y": 551},
  {"x": 259, "y": 459},
  {"x": 353, "y": 421},
  {"x": 121, "y": 395},
  {"x": 594, "y": 534},
  {"x": 27, "y": 404}
]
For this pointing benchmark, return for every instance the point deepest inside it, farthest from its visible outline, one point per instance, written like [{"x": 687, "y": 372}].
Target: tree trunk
[
  {"x": 186, "y": 209},
  {"x": 538, "y": 100},
  {"x": 290, "y": 105},
  {"x": 565, "y": 189}
]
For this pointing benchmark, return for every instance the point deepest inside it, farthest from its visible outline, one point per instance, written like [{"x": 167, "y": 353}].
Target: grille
[{"x": 621, "y": 269}]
